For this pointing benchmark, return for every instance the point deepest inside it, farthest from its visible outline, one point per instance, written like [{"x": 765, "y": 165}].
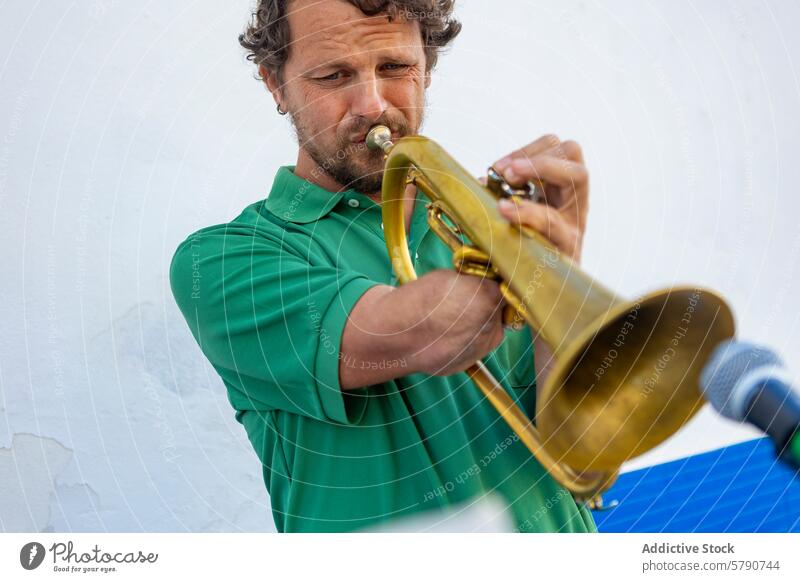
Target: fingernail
[
  {"x": 505, "y": 204},
  {"x": 510, "y": 175},
  {"x": 502, "y": 164}
]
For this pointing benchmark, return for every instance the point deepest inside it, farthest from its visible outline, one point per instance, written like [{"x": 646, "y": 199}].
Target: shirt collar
[{"x": 294, "y": 199}]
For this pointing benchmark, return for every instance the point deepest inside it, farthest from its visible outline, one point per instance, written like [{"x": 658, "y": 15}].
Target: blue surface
[{"x": 741, "y": 488}]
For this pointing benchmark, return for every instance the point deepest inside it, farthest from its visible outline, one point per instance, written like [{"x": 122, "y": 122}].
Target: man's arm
[{"x": 439, "y": 324}]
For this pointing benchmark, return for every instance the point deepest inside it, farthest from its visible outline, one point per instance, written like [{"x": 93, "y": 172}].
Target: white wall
[{"x": 123, "y": 128}]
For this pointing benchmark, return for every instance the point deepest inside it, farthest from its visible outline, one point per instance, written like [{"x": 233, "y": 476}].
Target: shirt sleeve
[{"x": 269, "y": 320}]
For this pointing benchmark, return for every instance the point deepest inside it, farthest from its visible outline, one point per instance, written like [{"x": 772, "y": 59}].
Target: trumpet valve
[{"x": 499, "y": 187}]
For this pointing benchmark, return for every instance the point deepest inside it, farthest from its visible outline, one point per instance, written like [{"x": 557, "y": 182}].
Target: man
[{"x": 352, "y": 389}]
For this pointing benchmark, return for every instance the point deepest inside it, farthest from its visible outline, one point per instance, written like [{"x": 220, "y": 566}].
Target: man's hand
[
  {"x": 438, "y": 324},
  {"x": 561, "y": 217},
  {"x": 462, "y": 318}
]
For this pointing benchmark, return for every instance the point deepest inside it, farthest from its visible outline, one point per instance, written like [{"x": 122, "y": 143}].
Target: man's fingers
[
  {"x": 541, "y": 218},
  {"x": 547, "y": 221},
  {"x": 541, "y": 145},
  {"x": 565, "y": 150},
  {"x": 564, "y": 173},
  {"x": 547, "y": 144}
]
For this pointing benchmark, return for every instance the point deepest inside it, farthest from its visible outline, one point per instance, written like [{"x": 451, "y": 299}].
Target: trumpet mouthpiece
[{"x": 379, "y": 138}]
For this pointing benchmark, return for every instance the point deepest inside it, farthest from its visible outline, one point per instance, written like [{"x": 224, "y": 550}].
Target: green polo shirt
[{"x": 267, "y": 296}]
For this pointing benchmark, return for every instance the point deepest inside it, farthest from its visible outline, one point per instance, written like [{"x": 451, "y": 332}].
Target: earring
[{"x": 280, "y": 111}]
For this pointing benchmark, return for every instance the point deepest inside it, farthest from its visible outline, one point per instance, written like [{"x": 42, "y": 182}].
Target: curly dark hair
[{"x": 267, "y": 36}]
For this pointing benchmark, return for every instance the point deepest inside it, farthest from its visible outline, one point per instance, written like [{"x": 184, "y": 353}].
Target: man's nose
[{"x": 367, "y": 100}]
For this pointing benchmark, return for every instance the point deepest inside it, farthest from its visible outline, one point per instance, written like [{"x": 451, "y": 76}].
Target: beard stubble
[{"x": 351, "y": 164}]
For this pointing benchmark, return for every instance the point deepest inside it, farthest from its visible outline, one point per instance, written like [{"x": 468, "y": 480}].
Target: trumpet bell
[{"x": 631, "y": 379}]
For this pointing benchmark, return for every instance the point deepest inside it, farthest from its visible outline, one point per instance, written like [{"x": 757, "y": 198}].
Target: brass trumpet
[{"x": 626, "y": 373}]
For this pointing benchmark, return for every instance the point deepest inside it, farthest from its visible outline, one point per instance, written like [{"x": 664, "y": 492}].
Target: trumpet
[{"x": 626, "y": 372}]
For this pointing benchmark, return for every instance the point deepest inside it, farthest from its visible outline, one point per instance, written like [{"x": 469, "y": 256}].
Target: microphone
[{"x": 749, "y": 383}]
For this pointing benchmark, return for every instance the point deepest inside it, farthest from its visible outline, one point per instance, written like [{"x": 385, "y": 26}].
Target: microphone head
[{"x": 730, "y": 363}]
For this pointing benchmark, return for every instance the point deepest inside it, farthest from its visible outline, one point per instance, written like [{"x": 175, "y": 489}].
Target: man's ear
[
  {"x": 427, "y": 79},
  {"x": 271, "y": 81}
]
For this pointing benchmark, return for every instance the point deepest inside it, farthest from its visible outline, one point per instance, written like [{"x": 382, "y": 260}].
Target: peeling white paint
[{"x": 29, "y": 472}]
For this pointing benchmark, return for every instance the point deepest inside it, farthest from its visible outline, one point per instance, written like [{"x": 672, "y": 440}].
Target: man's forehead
[{"x": 335, "y": 28}]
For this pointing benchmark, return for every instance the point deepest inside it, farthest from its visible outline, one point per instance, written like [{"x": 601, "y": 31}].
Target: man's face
[{"x": 345, "y": 73}]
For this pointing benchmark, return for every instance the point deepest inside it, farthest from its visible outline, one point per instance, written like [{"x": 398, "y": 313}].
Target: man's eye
[
  {"x": 395, "y": 66},
  {"x": 332, "y": 77}
]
